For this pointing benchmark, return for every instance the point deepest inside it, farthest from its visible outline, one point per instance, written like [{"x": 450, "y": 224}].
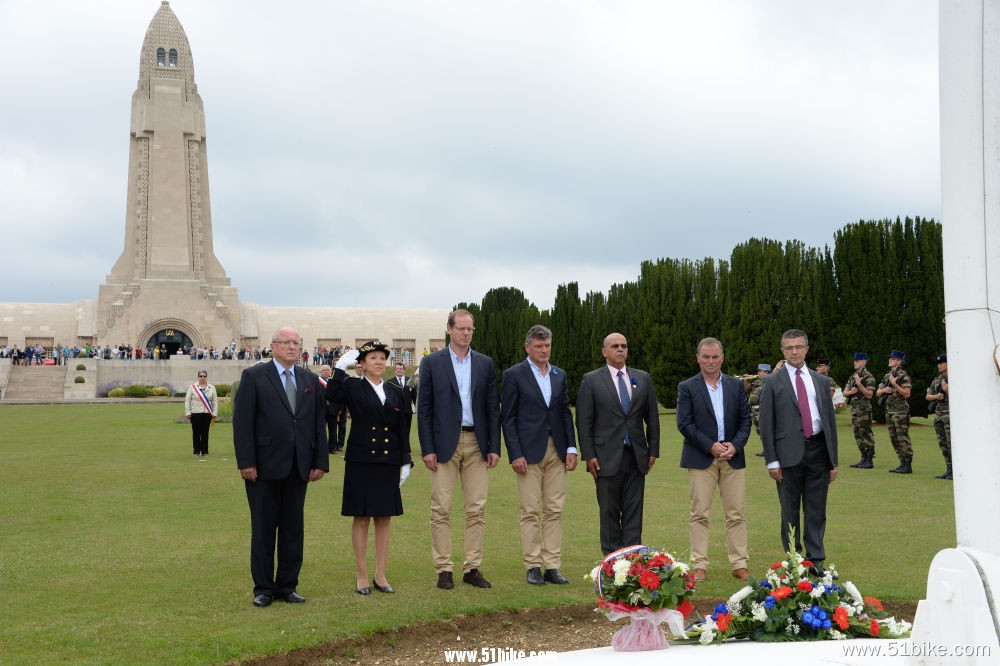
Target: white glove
[
  {"x": 404, "y": 473},
  {"x": 347, "y": 360}
]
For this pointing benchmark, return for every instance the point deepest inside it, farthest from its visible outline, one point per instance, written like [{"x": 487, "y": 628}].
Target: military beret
[
  {"x": 941, "y": 358},
  {"x": 860, "y": 356},
  {"x": 895, "y": 353},
  {"x": 764, "y": 366}
]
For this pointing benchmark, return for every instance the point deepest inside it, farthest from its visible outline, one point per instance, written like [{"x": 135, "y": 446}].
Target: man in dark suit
[
  {"x": 409, "y": 386},
  {"x": 714, "y": 417},
  {"x": 799, "y": 432},
  {"x": 538, "y": 431},
  {"x": 280, "y": 439},
  {"x": 612, "y": 407},
  {"x": 458, "y": 422}
]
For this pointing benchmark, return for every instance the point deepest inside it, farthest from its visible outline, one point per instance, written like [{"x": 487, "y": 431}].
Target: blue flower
[
  {"x": 769, "y": 602},
  {"x": 764, "y": 583},
  {"x": 721, "y": 609}
]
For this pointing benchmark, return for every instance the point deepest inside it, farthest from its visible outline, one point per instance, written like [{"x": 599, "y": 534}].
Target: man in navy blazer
[
  {"x": 279, "y": 433},
  {"x": 713, "y": 415},
  {"x": 458, "y": 422},
  {"x": 538, "y": 431},
  {"x": 618, "y": 427},
  {"x": 799, "y": 431}
]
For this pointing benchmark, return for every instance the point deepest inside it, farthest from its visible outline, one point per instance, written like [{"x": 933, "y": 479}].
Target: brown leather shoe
[
  {"x": 475, "y": 578},
  {"x": 699, "y": 575},
  {"x": 444, "y": 580},
  {"x": 741, "y": 573}
]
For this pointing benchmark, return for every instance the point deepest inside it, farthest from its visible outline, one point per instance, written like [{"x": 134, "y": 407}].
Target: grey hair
[
  {"x": 537, "y": 332},
  {"x": 710, "y": 342},
  {"x": 794, "y": 333}
]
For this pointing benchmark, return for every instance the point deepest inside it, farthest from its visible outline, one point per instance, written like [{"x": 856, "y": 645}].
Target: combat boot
[
  {"x": 866, "y": 461},
  {"x": 904, "y": 468},
  {"x": 947, "y": 474},
  {"x": 861, "y": 463}
]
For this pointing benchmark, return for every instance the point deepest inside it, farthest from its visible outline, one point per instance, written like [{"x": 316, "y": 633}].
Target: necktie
[
  {"x": 800, "y": 390},
  {"x": 290, "y": 389},
  {"x": 626, "y": 401}
]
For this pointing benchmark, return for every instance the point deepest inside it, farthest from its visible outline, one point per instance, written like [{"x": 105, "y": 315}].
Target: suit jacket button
[
  {"x": 373, "y": 440},
  {"x": 386, "y": 440},
  {"x": 373, "y": 452},
  {"x": 373, "y": 427},
  {"x": 387, "y": 428},
  {"x": 385, "y": 453}
]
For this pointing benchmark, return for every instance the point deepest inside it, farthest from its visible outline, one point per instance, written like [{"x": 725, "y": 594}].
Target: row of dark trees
[{"x": 881, "y": 288}]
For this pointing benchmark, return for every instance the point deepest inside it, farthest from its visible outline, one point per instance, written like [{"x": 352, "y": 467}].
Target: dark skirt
[{"x": 371, "y": 490}]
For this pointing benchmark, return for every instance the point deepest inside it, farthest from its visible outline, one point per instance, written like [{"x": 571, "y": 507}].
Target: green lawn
[{"x": 116, "y": 546}]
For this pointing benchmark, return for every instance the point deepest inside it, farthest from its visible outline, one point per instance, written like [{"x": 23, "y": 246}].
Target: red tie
[{"x": 800, "y": 390}]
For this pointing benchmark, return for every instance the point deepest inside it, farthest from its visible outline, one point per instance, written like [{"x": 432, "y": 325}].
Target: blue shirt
[
  {"x": 463, "y": 375},
  {"x": 281, "y": 373},
  {"x": 544, "y": 381},
  {"x": 720, "y": 413}
]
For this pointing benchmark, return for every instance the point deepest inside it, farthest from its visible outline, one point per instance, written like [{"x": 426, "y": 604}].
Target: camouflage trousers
[
  {"x": 755, "y": 419},
  {"x": 861, "y": 421},
  {"x": 942, "y": 426},
  {"x": 899, "y": 435}
]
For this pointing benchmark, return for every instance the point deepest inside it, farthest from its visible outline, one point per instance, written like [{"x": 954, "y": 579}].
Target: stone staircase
[{"x": 36, "y": 382}]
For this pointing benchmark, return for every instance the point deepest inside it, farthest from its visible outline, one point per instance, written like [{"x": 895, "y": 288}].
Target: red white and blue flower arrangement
[
  {"x": 649, "y": 586},
  {"x": 794, "y": 604}
]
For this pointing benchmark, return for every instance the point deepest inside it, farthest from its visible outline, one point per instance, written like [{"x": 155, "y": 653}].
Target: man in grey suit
[
  {"x": 618, "y": 429},
  {"x": 799, "y": 432}
]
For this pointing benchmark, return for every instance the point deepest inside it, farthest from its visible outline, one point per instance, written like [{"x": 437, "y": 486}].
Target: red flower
[
  {"x": 600, "y": 603},
  {"x": 776, "y": 565},
  {"x": 840, "y": 617},
  {"x": 873, "y": 602},
  {"x": 658, "y": 561},
  {"x": 874, "y": 628},
  {"x": 689, "y": 581},
  {"x": 782, "y": 592},
  {"x": 722, "y": 620},
  {"x": 806, "y": 563},
  {"x": 805, "y": 585},
  {"x": 649, "y": 580},
  {"x": 636, "y": 569},
  {"x": 608, "y": 569}
]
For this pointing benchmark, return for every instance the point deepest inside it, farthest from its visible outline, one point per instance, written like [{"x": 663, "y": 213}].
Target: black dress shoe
[
  {"x": 364, "y": 591},
  {"x": 553, "y": 576},
  {"x": 535, "y": 576},
  {"x": 262, "y": 600},
  {"x": 387, "y": 589},
  {"x": 445, "y": 581},
  {"x": 294, "y": 598}
]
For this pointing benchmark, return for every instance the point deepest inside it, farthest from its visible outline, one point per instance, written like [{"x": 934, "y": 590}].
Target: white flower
[
  {"x": 681, "y": 566},
  {"x": 832, "y": 571},
  {"x": 621, "y": 577},
  {"x": 733, "y": 604},
  {"x": 621, "y": 564},
  {"x": 758, "y": 611},
  {"x": 791, "y": 627},
  {"x": 817, "y": 591},
  {"x": 852, "y": 589},
  {"x": 837, "y": 636},
  {"x": 896, "y": 627},
  {"x": 800, "y": 570},
  {"x": 595, "y": 572},
  {"x": 708, "y": 631},
  {"x": 827, "y": 579},
  {"x": 774, "y": 579},
  {"x": 848, "y": 607}
]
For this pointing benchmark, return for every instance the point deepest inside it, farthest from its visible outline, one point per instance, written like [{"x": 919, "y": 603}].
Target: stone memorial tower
[{"x": 167, "y": 287}]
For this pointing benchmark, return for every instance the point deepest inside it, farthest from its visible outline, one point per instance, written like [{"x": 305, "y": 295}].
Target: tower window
[
  {"x": 173, "y": 57},
  {"x": 161, "y": 58}
]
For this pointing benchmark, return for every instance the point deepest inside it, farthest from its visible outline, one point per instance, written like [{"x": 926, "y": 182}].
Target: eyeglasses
[
  {"x": 203, "y": 375},
  {"x": 795, "y": 347},
  {"x": 288, "y": 343}
]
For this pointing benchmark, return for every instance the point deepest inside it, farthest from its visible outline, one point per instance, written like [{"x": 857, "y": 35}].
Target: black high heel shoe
[
  {"x": 387, "y": 589},
  {"x": 364, "y": 591}
]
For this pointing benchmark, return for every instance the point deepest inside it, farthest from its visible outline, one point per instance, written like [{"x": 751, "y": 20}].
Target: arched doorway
[{"x": 170, "y": 338}]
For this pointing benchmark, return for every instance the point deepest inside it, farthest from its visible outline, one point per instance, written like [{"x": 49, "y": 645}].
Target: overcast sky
[{"x": 418, "y": 153}]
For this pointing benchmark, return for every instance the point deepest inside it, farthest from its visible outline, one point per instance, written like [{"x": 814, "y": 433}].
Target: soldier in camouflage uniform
[
  {"x": 753, "y": 397},
  {"x": 937, "y": 395},
  {"x": 896, "y": 388},
  {"x": 858, "y": 392}
]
